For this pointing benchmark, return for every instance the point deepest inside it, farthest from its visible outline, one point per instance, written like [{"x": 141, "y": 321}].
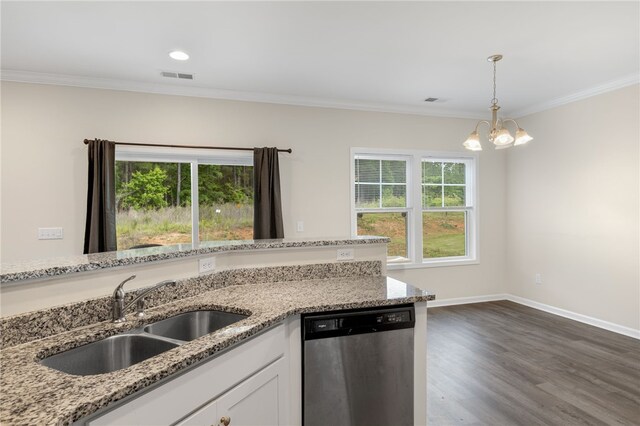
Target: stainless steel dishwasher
[{"x": 358, "y": 367}]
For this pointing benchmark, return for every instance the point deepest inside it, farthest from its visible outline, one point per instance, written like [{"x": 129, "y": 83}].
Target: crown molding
[
  {"x": 233, "y": 95},
  {"x": 583, "y": 94}
]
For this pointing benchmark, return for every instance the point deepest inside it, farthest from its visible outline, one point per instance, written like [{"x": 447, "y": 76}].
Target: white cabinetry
[
  {"x": 249, "y": 383},
  {"x": 256, "y": 401}
]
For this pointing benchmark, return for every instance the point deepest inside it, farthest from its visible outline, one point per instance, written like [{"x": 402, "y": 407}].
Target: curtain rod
[{"x": 233, "y": 148}]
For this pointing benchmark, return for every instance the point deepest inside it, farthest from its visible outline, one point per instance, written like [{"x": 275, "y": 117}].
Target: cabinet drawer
[{"x": 173, "y": 399}]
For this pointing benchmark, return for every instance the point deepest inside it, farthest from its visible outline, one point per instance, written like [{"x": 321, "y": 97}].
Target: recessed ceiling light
[{"x": 178, "y": 55}]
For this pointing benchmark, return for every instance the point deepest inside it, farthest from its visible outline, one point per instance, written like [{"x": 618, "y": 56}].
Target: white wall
[
  {"x": 573, "y": 208},
  {"x": 44, "y": 164}
]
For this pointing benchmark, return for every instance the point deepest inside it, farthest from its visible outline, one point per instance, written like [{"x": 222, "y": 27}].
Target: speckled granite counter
[
  {"x": 34, "y": 394},
  {"x": 34, "y": 269}
]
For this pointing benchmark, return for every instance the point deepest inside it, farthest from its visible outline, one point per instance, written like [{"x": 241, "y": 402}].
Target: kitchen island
[{"x": 35, "y": 394}]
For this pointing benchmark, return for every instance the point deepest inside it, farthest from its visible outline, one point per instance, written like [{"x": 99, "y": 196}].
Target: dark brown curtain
[
  {"x": 100, "y": 230},
  {"x": 267, "y": 204}
]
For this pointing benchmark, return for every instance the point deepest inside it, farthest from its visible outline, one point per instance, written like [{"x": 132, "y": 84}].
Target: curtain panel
[
  {"x": 100, "y": 229},
  {"x": 267, "y": 203}
]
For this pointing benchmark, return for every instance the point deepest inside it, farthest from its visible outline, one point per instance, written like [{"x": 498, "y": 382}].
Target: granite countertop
[
  {"x": 35, "y": 394},
  {"x": 42, "y": 268}
]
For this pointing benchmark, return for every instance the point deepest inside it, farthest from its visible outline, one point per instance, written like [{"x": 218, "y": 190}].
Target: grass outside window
[
  {"x": 444, "y": 234},
  {"x": 391, "y": 225}
]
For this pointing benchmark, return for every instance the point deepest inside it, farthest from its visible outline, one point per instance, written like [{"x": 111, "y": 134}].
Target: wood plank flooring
[{"x": 501, "y": 363}]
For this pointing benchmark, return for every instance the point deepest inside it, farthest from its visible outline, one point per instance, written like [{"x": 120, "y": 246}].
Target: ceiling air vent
[
  {"x": 431, "y": 99},
  {"x": 177, "y": 75}
]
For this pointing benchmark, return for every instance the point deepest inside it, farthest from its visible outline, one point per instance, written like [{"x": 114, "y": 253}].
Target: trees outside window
[{"x": 155, "y": 198}]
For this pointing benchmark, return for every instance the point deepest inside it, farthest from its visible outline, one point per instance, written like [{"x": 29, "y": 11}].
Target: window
[
  {"x": 444, "y": 208},
  {"x": 171, "y": 197},
  {"x": 424, "y": 202},
  {"x": 381, "y": 201}
]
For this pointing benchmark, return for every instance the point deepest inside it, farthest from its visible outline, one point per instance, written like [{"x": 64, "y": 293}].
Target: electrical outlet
[
  {"x": 300, "y": 226},
  {"x": 50, "y": 233},
  {"x": 345, "y": 254},
  {"x": 207, "y": 265},
  {"x": 538, "y": 279}
]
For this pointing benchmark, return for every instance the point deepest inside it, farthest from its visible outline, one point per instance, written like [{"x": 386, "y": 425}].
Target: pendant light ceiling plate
[{"x": 494, "y": 58}]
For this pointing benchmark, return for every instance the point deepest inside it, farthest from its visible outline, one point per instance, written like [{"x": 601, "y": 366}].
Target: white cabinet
[
  {"x": 259, "y": 400},
  {"x": 249, "y": 383}
]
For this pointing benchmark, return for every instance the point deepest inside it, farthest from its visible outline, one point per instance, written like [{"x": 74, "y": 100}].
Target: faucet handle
[{"x": 118, "y": 293}]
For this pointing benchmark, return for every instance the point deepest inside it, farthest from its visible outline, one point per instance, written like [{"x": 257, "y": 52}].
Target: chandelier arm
[
  {"x": 504, "y": 120},
  {"x": 482, "y": 121}
]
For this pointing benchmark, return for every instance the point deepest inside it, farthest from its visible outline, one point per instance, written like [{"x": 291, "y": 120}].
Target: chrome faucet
[{"x": 118, "y": 307}]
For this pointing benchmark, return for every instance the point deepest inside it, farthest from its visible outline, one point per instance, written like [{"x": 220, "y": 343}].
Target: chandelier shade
[
  {"x": 498, "y": 133},
  {"x": 473, "y": 142}
]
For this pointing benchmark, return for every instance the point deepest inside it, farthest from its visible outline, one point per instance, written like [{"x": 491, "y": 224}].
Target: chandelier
[{"x": 498, "y": 133}]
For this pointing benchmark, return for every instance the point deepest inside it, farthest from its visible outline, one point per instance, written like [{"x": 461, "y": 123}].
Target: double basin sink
[{"x": 124, "y": 350}]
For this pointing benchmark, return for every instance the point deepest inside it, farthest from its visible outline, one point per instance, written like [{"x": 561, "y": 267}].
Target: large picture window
[
  {"x": 424, "y": 202},
  {"x": 168, "y": 198}
]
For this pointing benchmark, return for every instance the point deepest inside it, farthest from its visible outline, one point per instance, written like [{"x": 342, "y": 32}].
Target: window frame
[
  {"x": 414, "y": 208},
  {"x": 408, "y": 197},
  {"x": 193, "y": 157}
]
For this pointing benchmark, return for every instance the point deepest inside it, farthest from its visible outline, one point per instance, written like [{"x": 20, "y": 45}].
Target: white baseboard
[
  {"x": 606, "y": 325},
  {"x": 616, "y": 328},
  {"x": 464, "y": 300}
]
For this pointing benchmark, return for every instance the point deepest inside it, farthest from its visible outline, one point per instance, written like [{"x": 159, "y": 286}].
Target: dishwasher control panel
[{"x": 344, "y": 323}]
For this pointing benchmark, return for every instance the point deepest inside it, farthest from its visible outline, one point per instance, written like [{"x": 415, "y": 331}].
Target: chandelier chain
[{"x": 494, "y": 101}]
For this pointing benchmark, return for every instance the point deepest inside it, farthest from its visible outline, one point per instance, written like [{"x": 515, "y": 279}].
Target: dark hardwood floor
[{"x": 501, "y": 363}]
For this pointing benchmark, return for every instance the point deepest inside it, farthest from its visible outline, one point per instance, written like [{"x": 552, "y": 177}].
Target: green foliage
[
  {"x": 434, "y": 172},
  {"x": 217, "y": 184},
  {"x": 454, "y": 196},
  {"x": 225, "y": 184},
  {"x": 145, "y": 191}
]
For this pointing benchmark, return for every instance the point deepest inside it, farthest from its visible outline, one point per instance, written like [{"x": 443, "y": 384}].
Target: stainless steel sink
[
  {"x": 191, "y": 325},
  {"x": 122, "y": 351},
  {"x": 107, "y": 355}
]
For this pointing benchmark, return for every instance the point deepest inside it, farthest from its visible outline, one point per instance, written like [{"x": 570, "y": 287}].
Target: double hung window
[
  {"x": 381, "y": 201},
  {"x": 424, "y": 202}
]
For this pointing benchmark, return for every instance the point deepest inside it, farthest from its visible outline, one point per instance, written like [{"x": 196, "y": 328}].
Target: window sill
[{"x": 435, "y": 264}]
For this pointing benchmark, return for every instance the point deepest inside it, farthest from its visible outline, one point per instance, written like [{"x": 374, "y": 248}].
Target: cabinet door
[
  {"x": 259, "y": 400},
  {"x": 207, "y": 415}
]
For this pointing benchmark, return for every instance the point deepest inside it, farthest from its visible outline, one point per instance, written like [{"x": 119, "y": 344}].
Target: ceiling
[{"x": 386, "y": 56}]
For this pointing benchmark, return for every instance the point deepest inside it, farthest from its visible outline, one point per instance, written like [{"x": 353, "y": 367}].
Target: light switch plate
[{"x": 50, "y": 233}]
